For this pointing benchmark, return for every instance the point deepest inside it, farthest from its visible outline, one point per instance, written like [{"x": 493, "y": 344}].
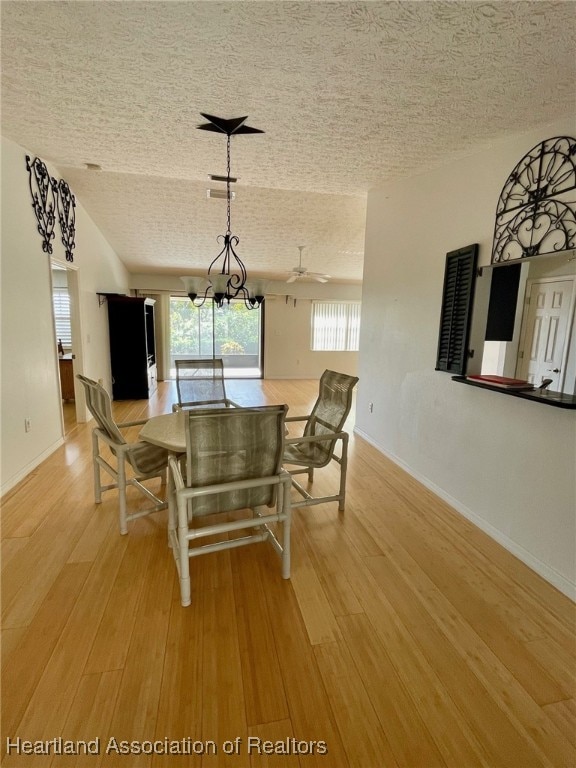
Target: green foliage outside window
[
  {"x": 232, "y": 348},
  {"x": 236, "y": 329}
]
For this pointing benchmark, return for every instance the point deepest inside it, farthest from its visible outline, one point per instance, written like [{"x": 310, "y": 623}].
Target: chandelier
[{"x": 226, "y": 273}]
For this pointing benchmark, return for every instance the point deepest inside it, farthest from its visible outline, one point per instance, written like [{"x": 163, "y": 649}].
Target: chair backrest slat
[
  {"x": 200, "y": 380},
  {"x": 234, "y": 444},
  {"x": 99, "y": 405}
]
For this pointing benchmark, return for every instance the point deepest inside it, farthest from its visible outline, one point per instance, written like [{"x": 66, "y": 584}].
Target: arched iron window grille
[{"x": 536, "y": 211}]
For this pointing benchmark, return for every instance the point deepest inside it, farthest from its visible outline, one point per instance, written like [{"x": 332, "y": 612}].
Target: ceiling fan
[{"x": 299, "y": 272}]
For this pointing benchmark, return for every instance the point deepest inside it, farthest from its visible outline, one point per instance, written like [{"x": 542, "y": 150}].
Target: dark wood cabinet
[
  {"x": 66, "y": 377},
  {"x": 132, "y": 347}
]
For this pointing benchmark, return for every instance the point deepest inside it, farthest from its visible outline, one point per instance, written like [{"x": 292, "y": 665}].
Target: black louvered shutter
[{"x": 459, "y": 281}]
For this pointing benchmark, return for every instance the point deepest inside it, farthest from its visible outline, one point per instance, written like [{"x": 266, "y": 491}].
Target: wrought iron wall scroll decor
[
  {"x": 50, "y": 196},
  {"x": 536, "y": 211},
  {"x": 43, "y": 200},
  {"x": 66, "y": 217}
]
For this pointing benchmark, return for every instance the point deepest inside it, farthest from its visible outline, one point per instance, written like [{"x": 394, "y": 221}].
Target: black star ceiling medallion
[{"x": 233, "y": 126}]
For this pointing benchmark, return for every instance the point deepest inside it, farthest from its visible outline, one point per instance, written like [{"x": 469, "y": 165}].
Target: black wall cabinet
[{"x": 132, "y": 347}]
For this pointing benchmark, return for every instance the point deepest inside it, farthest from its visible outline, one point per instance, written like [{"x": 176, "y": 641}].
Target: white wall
[
  {"x": 507, "y": 464},
  {"x": 287, "y": 353},
  {"x": 29, "y": 373}
]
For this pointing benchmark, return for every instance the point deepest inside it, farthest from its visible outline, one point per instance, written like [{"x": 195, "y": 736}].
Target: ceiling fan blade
[
  {"x": 292, "y": 278},
  {"x": 320, "y": 279}
]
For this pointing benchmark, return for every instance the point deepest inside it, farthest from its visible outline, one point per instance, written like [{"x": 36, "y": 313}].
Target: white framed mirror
[{"x": 525, "y": 320}]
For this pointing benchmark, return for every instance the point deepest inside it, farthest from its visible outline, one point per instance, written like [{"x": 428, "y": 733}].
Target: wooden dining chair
[
  {"x": 233, "y": 462},
  {"x": 144, "y": 460},
  {"x": 322, "y": 433}
]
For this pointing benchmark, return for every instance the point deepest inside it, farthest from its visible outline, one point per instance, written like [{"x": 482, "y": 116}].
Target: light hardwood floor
[{"x": 405, "y": 637}]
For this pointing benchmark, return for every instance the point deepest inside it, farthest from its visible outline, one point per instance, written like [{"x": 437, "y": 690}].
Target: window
[
  {"x": 335, "y": 326},
  {"x": 61, "y": 302},
  {"x": 232, "y": 332}
]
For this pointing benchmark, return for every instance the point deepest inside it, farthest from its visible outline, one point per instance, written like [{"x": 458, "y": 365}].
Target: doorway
[{"x": 64, "y": 282}]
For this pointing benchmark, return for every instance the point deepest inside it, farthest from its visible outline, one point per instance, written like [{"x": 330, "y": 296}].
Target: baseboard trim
[
  {"x": 15, "y": 479},
  {"x": 542, "y": 569}
]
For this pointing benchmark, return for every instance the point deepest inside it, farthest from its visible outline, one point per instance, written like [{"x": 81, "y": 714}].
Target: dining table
[{"x": 166, "y": 431}]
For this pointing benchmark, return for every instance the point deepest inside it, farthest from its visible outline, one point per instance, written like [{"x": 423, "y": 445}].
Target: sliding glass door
[{"x": 233, "y": 333}]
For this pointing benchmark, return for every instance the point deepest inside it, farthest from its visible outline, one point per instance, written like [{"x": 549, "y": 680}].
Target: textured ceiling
[{"x": 349, "y": 95}]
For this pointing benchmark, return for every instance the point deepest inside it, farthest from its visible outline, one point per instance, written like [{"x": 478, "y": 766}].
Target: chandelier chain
[{"x": 228, "y": 182}]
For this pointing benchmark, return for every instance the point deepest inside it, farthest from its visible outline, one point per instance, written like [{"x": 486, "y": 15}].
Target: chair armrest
[
  {"x": 297, "y": 418},
  {"x": 190, "y": 405},
  {"x": 236, "y": 485},
  {"x": 132, "y": 423},
  {"x": 114, "y": 445},
  {"x": 315, "y": 438},
  {"x": 118, "y": 447},
  {"x": 202, "y": 403}
]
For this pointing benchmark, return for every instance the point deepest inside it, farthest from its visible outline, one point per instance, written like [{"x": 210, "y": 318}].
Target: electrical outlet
[
  {"x": 27, "y": 425},
  {"x": 371, "y": 407}
]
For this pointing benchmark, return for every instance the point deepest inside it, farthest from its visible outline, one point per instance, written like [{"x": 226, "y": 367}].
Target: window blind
[
  {"x": 61, "y": 303},
  {"x": 335, "y": 326}
]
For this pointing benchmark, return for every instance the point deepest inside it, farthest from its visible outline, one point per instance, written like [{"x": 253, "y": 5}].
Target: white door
[{"x": 545, "y": 324}]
